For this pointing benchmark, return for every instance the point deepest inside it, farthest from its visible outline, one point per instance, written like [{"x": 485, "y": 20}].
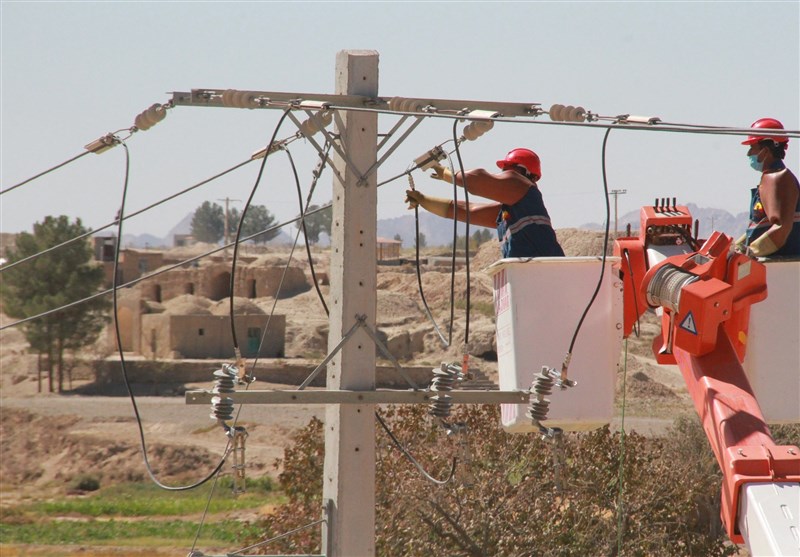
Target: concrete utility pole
[
  {"x": 349, "y": 473},
  {"x": 616, "y": 194}
]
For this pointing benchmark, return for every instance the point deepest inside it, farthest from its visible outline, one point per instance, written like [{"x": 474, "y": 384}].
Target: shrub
[
  {"x": 86, "y": 482},
  {"x": 518, "y": 494}
]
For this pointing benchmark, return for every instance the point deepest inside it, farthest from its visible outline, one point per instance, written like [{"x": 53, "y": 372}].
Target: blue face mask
[{"x": 755, "y": 164}]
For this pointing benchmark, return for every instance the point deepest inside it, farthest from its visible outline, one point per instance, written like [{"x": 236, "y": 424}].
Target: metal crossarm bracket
[{"x": 379, "y": 396}]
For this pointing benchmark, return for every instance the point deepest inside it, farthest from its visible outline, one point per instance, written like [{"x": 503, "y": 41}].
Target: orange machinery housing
[{"x": 705, "y": 293}]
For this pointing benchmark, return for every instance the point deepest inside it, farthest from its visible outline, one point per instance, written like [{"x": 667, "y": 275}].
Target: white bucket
[
  {"x": 538, "y": 304},
  {"x": 772, "y": 360}
]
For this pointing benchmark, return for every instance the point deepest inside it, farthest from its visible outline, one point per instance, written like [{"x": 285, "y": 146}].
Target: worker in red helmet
[
  {"x": 517, "y": 211},
  {"x": 774, "y": 228}
]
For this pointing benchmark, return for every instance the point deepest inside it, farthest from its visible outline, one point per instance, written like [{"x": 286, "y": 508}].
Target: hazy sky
[{"x": 74, "y": 71}]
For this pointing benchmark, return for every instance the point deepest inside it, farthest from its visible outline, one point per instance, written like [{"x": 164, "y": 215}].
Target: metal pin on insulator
[
  {"x": 443, "y": 381},
  {"x": 310, "y": 126},
  {"x": 224, "y": 384},
  {"x": 150, "y": 117}
]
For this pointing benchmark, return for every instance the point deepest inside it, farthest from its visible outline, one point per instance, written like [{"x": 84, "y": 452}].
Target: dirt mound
[{"x": 42, "y": 450}]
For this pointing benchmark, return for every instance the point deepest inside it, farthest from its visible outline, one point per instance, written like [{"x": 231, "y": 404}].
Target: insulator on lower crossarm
[
  {"x": 443, "y": 381},
  {"x": 543, "y": 384},
  {"x": 224, "y": 384},
  {"x": 150, "y": 117}
]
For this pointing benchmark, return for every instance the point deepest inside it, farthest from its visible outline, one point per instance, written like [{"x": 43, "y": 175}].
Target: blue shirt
[{"x": 524, "y": 228}]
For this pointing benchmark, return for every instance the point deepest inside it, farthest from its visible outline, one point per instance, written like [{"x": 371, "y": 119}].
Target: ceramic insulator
[{"x": 150, "y": 117}]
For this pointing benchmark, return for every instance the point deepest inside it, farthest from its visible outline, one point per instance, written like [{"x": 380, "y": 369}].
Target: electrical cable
[
  {"x": 637, "y": 327},
  {"x": 241, "y": 222},
  {"x": 614, "y": 122},
  {"x": 271, "y": 314},
  {"x": 48, "y": 171},
  {"x": 605, "y": 244},
  {"x": 265, "y": 542},
  {"x": 160, "y": 271},
  {"x": 317, "y": 173},
  {"x": 122, "y": 357},
  {"x": 413, "y": 460},
  {"x": 453, "y": 254},
  {"x": 466, "y": 232},
  {"x": 128, "y": 216},
  {"x": 427, "y": 309}
]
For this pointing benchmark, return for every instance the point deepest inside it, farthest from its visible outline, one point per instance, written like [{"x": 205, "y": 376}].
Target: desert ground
[{"x": 50, "y": 439}]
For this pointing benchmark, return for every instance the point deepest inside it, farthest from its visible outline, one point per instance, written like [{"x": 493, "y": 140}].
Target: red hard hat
[
  {"x": 766, "y": 124},
  {"x": 523, "y": 157}
]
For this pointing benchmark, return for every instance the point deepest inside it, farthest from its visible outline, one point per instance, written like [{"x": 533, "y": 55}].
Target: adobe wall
[
  {"x": 213, "y": 282},
  {"x": 209, "y": 336}
]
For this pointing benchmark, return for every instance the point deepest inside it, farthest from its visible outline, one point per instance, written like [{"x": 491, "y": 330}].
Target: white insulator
[
  {"x": 246, "y": 99},
  {"x": 577, "y": 114},
  {"x": 555, "y": 112},
  {"x": 310, "y": 126},
  {"x": 228, "y": 97},
  {"x": 394, "y": 103},
  {"x": 471, "y": 133},
  {"x": 476, "y": 129},
  {"x": 416, "y": 106},
  {"x": 484, "y": 125}
]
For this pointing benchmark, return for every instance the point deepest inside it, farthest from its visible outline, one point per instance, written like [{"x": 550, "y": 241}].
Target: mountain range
[{"x": 439, "y": 231}]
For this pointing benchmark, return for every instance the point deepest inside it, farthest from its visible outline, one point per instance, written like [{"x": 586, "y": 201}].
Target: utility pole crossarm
[
  {"x": 344, "y": 396},
  {"x": 279, "y": 99}
]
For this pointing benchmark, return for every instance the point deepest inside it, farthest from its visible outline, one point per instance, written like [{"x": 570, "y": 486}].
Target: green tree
[
  {"x": 50, "y": 281},
  {"x": 258, "y": 218},
  {"x": 423, "y": 241},
  {"x": 316, "y": 224},
  {"x": 208, "y": 223}
]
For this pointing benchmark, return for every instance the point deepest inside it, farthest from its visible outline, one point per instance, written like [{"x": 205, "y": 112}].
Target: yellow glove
[
  {"x": 739, "y": 246},
  {"x": 441, "y": 173},
  {"x": 435, "y": 205},
  {"x": 763, "y": 246}
]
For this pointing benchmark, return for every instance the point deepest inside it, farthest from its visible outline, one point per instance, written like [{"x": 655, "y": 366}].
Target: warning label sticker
[{"x": 688, "y": 324}]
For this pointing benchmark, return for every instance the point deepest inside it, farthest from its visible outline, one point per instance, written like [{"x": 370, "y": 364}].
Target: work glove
[
  {"x": 762, "y": 247},
  {"x": 441, "y": 173},
  {"x": 435, "y": 205},
  {"x": 740, "y": 245}
]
